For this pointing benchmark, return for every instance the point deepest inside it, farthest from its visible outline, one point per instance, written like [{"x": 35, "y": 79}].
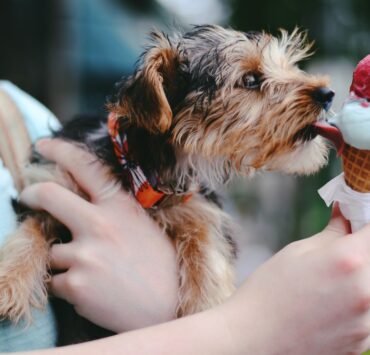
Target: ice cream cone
[
  {"x": 356, "y": 168},
  {"x": 350, "y": 132},
  {"x": 354, "y": 125}
]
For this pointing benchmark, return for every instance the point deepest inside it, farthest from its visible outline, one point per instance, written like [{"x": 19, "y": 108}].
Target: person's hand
[
  {"x": 120, "y": 269},
  {"x": 313, "y": 297}
]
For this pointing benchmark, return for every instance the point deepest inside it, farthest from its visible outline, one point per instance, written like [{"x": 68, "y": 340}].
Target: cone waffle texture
[{"x": 356, "y": 168}]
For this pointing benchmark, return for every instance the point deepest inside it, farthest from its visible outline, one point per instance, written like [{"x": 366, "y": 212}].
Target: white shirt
[{"x": 39, "y": 122}]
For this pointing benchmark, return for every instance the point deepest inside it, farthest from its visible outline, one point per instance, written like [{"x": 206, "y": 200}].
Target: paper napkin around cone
[{"x": 354, "y": 205}]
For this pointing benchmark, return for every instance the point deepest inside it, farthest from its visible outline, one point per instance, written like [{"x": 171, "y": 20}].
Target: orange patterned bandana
[{"x": 142, "y": 187}]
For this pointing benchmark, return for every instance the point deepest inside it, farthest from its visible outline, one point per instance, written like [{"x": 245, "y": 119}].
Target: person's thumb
[{"x": 337, "y": 223}]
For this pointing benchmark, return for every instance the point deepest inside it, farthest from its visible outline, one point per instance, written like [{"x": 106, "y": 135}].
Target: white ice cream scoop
[{"x": 353, "y": 121}]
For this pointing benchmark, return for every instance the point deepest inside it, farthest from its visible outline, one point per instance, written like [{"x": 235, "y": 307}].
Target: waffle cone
[{"x": 356, "y": 168}]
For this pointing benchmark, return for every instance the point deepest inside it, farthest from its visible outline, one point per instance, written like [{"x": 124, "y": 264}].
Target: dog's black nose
[{"x": 324, "y": 96}]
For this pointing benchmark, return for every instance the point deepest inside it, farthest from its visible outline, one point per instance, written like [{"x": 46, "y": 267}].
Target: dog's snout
[{"x": 324, "y": 96}]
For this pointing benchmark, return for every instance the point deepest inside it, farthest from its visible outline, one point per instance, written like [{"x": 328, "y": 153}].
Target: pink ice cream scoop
[
  {"x": 361, "y": 79},
  {"x": 352, "y": 124}
]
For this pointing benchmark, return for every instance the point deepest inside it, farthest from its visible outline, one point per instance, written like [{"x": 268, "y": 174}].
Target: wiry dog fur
[{"x": 200, "y": 108}]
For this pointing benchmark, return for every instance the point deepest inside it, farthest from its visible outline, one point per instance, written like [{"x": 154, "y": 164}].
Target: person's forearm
[{"x": 204, "y": 333}]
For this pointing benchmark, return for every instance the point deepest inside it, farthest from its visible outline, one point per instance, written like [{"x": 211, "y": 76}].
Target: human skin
[
  {"x": 313, "y": 297},
  {"x": 147, "y": 279}
]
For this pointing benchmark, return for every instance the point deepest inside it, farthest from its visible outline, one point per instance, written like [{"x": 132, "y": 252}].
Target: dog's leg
[
  {"x": 204, "y": 260},
  {"x": 201, "y": 234},
  {"x": 23, "y": 271},
  {"x": 24, "y": 258}
]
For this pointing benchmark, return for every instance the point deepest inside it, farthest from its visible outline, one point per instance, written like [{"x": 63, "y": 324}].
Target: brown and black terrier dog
[{"x": 200, "y": 108}]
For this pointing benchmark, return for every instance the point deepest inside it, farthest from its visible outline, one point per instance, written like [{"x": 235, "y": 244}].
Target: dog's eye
[{"x": 251, "y": 81}]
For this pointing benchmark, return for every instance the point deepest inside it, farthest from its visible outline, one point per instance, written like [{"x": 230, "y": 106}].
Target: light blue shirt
[{"x": 42, "y": 332}]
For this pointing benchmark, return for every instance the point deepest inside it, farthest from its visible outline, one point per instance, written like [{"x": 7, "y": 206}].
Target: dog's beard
[{"x": 306, "y": 158}]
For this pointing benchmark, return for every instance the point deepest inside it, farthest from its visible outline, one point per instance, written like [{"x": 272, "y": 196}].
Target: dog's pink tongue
[{"x": 331, "y": 133}]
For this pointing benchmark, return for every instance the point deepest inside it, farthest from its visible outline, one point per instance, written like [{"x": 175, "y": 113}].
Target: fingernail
[{"x": 41, "y": 144}]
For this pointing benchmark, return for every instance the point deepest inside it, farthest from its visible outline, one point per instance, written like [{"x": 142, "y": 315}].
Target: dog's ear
[{"x": 144, "y": 98}]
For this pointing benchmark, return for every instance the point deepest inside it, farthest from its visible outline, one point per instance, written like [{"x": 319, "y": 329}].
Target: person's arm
[
  {"x": 313, "y": 297},
  {"x": 203, "y": 333},
  {"x": 302, "y": 301}
]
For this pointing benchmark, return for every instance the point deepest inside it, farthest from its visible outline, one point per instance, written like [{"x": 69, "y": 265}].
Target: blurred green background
[{"x": 69, "y": 53}]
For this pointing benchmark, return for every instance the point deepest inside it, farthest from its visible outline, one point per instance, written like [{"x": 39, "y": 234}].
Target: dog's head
[{"x": 230, "y": 101}]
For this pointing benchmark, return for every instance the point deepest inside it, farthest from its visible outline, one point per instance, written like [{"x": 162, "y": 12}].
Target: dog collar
[
  {"x": 143, "y": 187},
  {"x": 146, "y": 194}
]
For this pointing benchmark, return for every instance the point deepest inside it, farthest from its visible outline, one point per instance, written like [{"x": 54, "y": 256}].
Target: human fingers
[
  {"x": 363, "y": 233},
  {"x": 90, "y": 174},
  {"x": 337, "y": 223},
  {"x": 61, "y": 256},
  {"x": 360, "y": 241},
  {"x": 70, "y": 286},
  {"x": 61, "y": 286},
  {"x": 337, "y": 228},
  {"x": 67, "y": 207}
]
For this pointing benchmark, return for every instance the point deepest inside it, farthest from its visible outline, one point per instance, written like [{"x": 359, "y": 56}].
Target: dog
[{"x": 200, "y": 108}]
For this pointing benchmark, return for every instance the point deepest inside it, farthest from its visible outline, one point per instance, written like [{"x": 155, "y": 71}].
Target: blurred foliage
[
  {"x": 271, "y": 15},
  {"x": 339, "y": 27}
]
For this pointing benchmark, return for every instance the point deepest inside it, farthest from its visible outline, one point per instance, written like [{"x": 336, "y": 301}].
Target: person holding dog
[{"x": 312, "y": 297}]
